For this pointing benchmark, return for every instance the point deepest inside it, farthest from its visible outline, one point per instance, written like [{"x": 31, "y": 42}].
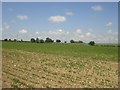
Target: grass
[
  {"x": 51, "y": 65},
  {"x": 71, "y": 50}
]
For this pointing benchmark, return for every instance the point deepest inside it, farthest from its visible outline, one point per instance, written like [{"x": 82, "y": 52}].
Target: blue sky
[{"x": 61, "y": 20}]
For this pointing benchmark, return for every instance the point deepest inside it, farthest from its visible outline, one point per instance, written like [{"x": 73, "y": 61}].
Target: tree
[
  {"x": 72, "y": 41},
  {"x": 48, "y": 40},
  {"x": 32, "y": 40},
  {"x": 6, "y": 39},
  {"x": 58, "y": 41},
  {"x": 91, "y": 43},
  {"x": 15, "y": 40},
  {"x": 21, "y": 40},
  {"x": 80, "y": 41},
  {"x": 37, "y": 40},
  {"x": 10, "y": 40},
  {"x": 41, "y": 41},
  {"x": 65, "y": 42}
]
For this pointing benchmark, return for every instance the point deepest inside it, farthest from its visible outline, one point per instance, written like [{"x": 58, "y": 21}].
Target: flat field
[{"x": 57, "y": 65}]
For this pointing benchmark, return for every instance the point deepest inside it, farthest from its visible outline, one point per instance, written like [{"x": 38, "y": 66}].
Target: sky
[{"x": 85, "y": 21}]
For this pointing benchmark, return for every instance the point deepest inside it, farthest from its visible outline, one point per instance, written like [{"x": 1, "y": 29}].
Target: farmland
[{"x": 57, "y": 65}]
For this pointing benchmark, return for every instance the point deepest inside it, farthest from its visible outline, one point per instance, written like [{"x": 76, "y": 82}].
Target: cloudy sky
[{"x": 65, "y": 21}]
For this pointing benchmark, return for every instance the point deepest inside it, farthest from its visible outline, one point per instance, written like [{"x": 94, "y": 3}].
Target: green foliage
[
  {"x": 41, "y": 41},
  {"x": 15, "y": 40},
  {"x": 32, "y": 40},
  {"x": 37, "y": 40},
  {"x": 65, "y": 42},
  {"x": 71, "y": 50},
  {"x": 72, "y": 41},
  {"x": 80, "y": 41},
  {"x": 58, "y": 41},
  {"x": 6, "y": 39},
  {"x": 91, "y": 43},
  {"x": 48, "y": 40}
]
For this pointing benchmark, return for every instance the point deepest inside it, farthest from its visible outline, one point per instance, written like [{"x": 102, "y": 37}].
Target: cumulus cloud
[
  {"x": 22, "y": 17},
  {"x": 57, "y": 19},
  {"x": 56, "y": 32},
  {"x": 0, "y": 29},
  {"x": 69, "y": 13},
  {"x": 97, "y": 8},
  {"x": 109, "y": 24},
  {"x": 78, "y": 31},
  {"x": 5, "y": 26},
  {"x": 88, "y": 34},
  {"x": 23, "y": 31},
  {"x": 36, "y": 32},
  {"x": 75, "y": 34},
  {"x": 109, "y": 31}
]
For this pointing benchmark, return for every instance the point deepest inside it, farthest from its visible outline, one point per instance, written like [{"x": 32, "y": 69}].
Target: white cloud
[
  {"x": 57, "y": 19},
  {"x": 36, "y": 32},
  {"x": 0, "y": 29},
  {"x": 97, "y": 8},
  {"x": 110, "y": 31},
  {"x": 23, "y": 31},
  {"x": 57, "y": 32},
  {"x": 69, "y": 13},
  {"x": 109, "y": 24},
  {"x": 88, "y": 34},
  {"x": 22, "y": 17},
  {"x": 60, "y": 30},
  {"x": 5, "y": 26},
  {"x": 78, "y": 31},
  {"x": 82, "y": 36},
  {"x": 75, "y": 34}
]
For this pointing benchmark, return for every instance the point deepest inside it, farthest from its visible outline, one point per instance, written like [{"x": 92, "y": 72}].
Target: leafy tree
[
  {"x": 91, "y": 43},
  {"x": 72, "y": 41},
  {"x": 37, "y": 40},
  {"x": 80, "y": 41},
  {"x": 15, "y": 40},
  {"x": 65, "y": 42},
  {"x": 21, "y": 40},
  {"x": 41, "y": 41},
  {"x": 10, "y": 40},
  {"x": 6, "y": 39},
  {"x": 58, "y": 41},
  {"x": 32, "y": 40},
  {"x": 48, "y": 40}
]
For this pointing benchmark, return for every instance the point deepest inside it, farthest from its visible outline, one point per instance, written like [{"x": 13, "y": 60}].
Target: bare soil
[{"x": 23, "y": 69}]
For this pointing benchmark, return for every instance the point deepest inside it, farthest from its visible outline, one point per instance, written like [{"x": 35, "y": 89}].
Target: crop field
[{"x": 57, "y": 65}]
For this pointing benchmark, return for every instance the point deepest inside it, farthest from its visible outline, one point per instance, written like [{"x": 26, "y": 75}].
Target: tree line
[{"x": 48, "y": 40}]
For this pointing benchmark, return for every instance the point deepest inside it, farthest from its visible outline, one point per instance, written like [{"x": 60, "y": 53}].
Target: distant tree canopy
[
  {"x": 58, "y": 41},
  {"x": 80, "y": 41},
  {"x": 37, "y": 40},
  {"x": 41, "y": 41},
  {"x": 65, "y": 42},
  {"x": 72, "y": 41},
  {"x": 6, "y": 39},
  {"x": 91, "y": 43},
  {"x": 32, "y": 40},
  {"x": 10, "y": 40},
  {"x": 21, "y": 40},
  {"x": 15, "y": 40},
  {"x": 48, "y": 40}
]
